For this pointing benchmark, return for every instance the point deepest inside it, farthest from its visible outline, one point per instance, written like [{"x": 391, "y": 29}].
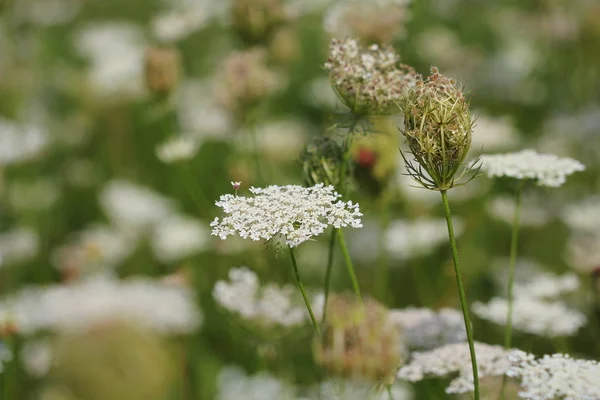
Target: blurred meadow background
[{"x": 123, "y": 122}]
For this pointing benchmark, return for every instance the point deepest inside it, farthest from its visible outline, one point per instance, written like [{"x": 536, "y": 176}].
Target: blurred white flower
[
  {"x": 180, "y": 22},
  {"x": 583, "y": 251},
  {"x": 533, "y": 315},
  {"x": 5, "y": 356},
  {"x": 48, "y": 12},
  {"x": 555, "y": 376},
  {"x": 279, "y": 140},
  {"x": 199, "y": 113},
  {"x": 177, "y": 148},
  {"x": 423, "y": 328},
  {"x": 358, "y": 390},
  {"x": 97, "y": 249},
  {"x": 547, "y": 286},
  {"x": 161, "y": 307},
  {"x": 455, "y": 358},
  {"x": 116, "y": 54},
  {"x": 32, "y": 196},
  {"x": 234, "y": 384},
  {"x": 493, "y": 133},
  {"x": 583, "y": 216},
  {"x": 545, "y": 169},
  {"x": 36, "y": 356},
  {"x": 268, "y": 306},
  {"x": 294, "y": 212},
  {"x": 178, "y": 237},
  {"x": 19, "y": 245},
  {"x": 533, "y": 213},
  {"x": 407, "y": 239},
  {"x": 21, "y": 142},
  {"x": 133, "y": 207}
]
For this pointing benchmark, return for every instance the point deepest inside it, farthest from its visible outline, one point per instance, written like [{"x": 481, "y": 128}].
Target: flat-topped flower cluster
[{"x": 296, "y": 213}]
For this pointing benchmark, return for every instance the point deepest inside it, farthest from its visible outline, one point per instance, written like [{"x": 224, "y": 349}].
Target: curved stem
[
  {"x": 511, "y": 268},
  {"x": 348, "y": 262},
  {"x": 461, "y": 292},
  {"x": 301, "y": 286},
  {"x": 328, "y": 273}
]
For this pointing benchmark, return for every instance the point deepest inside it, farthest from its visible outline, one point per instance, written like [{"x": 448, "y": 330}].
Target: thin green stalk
[
  {"x": 9, "y": 369},
  {"x": 328, "y": 273},
  {"x": 301, "y": 286},
  {"x": 461, "y": 292},
  {"x": 348, "y": 262},
  {"x": 389, "y": 392},
  {"x": 511, "y": 268}
]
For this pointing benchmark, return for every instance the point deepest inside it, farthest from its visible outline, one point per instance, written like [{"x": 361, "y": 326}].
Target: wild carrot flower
[
  {"x": 368, "y": 81},
  {"x": 543, "y": 169},
  {"x": 294, "y": 212},
  {"x": 555, "y": 376}
]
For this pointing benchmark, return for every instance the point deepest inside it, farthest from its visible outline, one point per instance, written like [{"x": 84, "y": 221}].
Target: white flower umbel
[
  {"x": 455, "y": 358},
  {"x": 493, "y": 134},
  {"x": 407, "y": 239},
  {"x": 359, "y": 390},
  {"x": 548, "y": 286},
  {"x": 583, "y": 216},
  {"x": 178, "y": 237},
  {"x": 296, "y": 213},
  {"x": 555, "y": 376},
  {"x": 544, "y": 169},
  {"x": 424, "y": 329},
  {"x": 177, "y": 148},
  {"x": 268, "y": 306},
  {"x": 533, "y": 316},
  {"x": 164, "y": 308},
  {"x": 20, "y": 142},
  {"x": 19, "y": 245},
  {"x": 234, "y": 384}
]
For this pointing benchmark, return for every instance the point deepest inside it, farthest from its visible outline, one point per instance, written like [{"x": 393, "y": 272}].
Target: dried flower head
[
  {"x": 162, "y": 69},
  {"x": 322, "y": 161},
  {"x": 438, "y": 128},
  {"x": 368, "y": 81},
  {"x": 453, "y": 358},
  {"x": 255, "y": 20},
  {"x": 294, "y": 212},
  {"x": 359, "y": 340},
  {"x": 543, "y": 169},
  {"x": 371, "y": 21},
  {"x": 555, "y": 376},
  {"x": 245, "y": 79}
]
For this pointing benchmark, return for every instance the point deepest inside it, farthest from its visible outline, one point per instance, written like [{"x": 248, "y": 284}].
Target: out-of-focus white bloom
[
  {"x": 320, "y": 94},
  {"x": 294, "y": 212},
  {"x": 455, "y": 358},
  {"x": 234, "y": 384},
  {"x": 555, "y": 376},
  {"x": 199, "y": 113},
  {"x": 407, "y": 239},
  {"x": 133, "y": 207},
  {"x": 423, "y": 328},
  {"x": 492, "y": 134},
  {"x": 547, "y": 286},
  {"x": 33, "y": 196},
  {"x": 48, "y": 12},
  {"x": 281, "y": 140},
  {"x": 268, "y": 306},
  {"x": 177, "y": 148},
  {"x": 583, "y": 252},
  {"x": 532, "y": 315},
  {"x": 583, "y": 216},
  {"x": 178, "y": 237},
  {"x": 20, "y": 143},
  {"x": 19, "y": 245},
  {"x": 161, "y": 307},
  {"x": 357, "y": 390},
  {"x": 97, "y": 249},
  {"x": 37, "y": 357},
  {"x": 533, "y": 213},
  {"x": 5, "y": 356},
  {"x": 380, "y": 21},
  {"x": 545, "y": 169},
  {"x": 181, "y": 21},
  {"x": 116, "y": 54}
]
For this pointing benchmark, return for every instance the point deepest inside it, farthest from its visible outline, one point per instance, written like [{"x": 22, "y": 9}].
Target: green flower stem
[
  {"x": 301, "y": 286},
  {"x": 328, "y": 273},
  {"x": 461, "y": 292},
  {"x": 389, "y": 392},
  {"x": 511, "y": 267},
  {"x": 348, "y": 262}
]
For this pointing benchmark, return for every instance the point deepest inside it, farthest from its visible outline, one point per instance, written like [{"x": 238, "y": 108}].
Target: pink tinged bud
[{"x": 236, "y": 185}]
